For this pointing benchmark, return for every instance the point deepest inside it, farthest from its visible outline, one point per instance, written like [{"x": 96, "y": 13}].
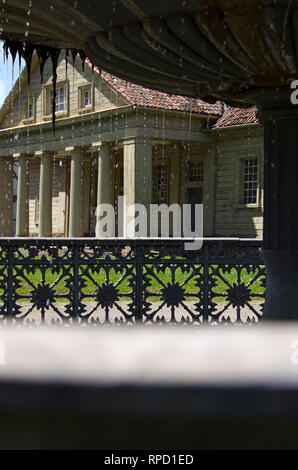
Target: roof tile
[
  {"x": 237, "y": 116},
  {"x": 140, "y": 96}
]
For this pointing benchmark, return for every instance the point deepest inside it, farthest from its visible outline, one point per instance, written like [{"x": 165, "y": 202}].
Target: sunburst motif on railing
[{"x": 129, "y": 281}]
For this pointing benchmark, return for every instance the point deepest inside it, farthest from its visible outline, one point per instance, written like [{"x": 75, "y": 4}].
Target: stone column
[
  {"x": 104, "y": 184},
  {"x": 22, "y": 223},
  {"x": 75, "y": 202},
  {"x": 45, "y": 196},
  {"x": 280, "y": 119},
  {"x": 6, "y": 197},
  {"x": 137, "y": 187}
]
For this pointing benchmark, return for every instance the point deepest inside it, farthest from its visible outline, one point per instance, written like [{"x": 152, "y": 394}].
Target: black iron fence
[{"x": 91, "y": 281}]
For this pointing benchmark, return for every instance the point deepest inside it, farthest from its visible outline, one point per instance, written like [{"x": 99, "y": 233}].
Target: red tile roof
[
  {"x": 140, "y": 96},
  {"x": 238, "y": 116}
]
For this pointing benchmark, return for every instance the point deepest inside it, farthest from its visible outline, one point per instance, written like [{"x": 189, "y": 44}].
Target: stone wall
[
  {"x": 6, "y": 197},
  {"x": 75, "y": 78},
  {"x": 232, "y": 218}
]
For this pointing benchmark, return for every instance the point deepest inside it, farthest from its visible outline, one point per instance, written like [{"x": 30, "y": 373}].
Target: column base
[{"x": 281, "y": 301}]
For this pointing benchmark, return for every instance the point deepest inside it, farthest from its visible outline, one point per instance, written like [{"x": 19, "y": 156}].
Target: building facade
[{"x": 113, "y": 138}]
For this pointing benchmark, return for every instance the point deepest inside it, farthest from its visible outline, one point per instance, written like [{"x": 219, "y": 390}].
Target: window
[
  {"x": 60, "y": 99},
  {"x": 250, "y": 181},
  {"x": 28, "y": 113},
  {"x": 85, "y": 97},
  {"x": 195, "y": 172},
  {"x": 161, "y": 183},
  {"x": 30, "y": 110}
]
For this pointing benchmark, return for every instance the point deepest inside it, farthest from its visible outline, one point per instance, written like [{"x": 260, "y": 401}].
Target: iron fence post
[
  {"x": 139, "y": 282},
  {"x": 205, "y": 283},
  {"x": 10, "y": 289},
  {"x": 76, "y": 284}
]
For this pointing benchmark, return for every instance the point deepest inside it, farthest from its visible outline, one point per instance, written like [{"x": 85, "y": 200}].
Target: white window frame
[
  {"x": 25, "y": 118},
  {"x": 47, "y": 100},
  {"x": 240, "y": 182},
  {"x": 82, "y": 107},
  {"x": 157, "y": 199},
  {"x": 254, "y": 183},
  {"x": 58, "y": 102}
]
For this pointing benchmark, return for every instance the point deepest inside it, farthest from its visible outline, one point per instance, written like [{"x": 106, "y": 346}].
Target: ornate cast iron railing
[{"x": 89, "y": 281}]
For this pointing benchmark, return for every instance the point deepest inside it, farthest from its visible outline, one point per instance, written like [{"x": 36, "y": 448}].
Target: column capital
[
  {"x": 73, "y": 148},
  {"x": 140, "y": 140},
  {"x": 100, "y": 143},
  {"x": 42, "y": 153},
  {"x": 97, "y": 144},
  {"x": 20, "y": 155}
]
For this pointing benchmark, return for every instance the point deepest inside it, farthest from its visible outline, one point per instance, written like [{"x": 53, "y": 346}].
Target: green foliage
[{"x": 190, "y": 278}]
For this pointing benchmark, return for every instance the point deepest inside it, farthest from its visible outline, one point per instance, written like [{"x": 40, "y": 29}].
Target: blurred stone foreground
[{"x": 149, "y": 388}]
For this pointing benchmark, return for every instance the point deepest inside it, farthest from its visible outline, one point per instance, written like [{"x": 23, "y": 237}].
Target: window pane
[
  {"x": 161, "y": 182},
  {"x": 60, "y": 99},
  {"x": 30, "y": 110},
  {"x": 195, "y": 172},
  {"x": 85, "y": 97},
  {"x": 250, "y": 181}
]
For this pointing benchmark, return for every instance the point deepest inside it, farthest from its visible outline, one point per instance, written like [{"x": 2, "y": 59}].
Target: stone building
[{"x": 115, "y": 138}]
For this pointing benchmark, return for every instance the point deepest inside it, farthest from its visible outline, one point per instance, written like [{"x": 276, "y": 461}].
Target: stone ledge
[{"x": 149, "y": 387}]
